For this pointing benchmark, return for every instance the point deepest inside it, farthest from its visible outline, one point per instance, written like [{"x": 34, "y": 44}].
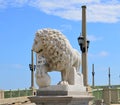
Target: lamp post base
[{"x": 33, "y": 90}]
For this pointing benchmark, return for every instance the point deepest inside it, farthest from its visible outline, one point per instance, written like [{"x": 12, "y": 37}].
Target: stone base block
[
  {"x": 1, "y": 94},
  {"x": 62, "y": 95},
  {"x": 62, "y": 90},
  {"x": 61, "y": 100}
]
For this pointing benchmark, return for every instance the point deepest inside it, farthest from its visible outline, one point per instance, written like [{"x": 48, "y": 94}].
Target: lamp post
[
  {"x": 93, "y": 74},
  {"x": 109, "y": 77},
  {"x": 32, "y": 69},
  {"x": 84, "y": 45}
]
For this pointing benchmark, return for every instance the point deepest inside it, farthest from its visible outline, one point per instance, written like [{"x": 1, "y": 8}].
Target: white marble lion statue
[{"x": 59, "y": 55}]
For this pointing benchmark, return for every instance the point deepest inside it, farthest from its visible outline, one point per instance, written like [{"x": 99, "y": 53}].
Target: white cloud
[
  {"x": 16, "y": 66},
  {"x": 99, "y": 54},
  {"x": 103, "y": 13},
  {"x": 65, "y": 27},
  {"x": 2, "y": 3},
  {"x": 94, "y": 38},
  {"x": 13, "y": 3},
  {"x": 19, "y": 2},
  {"x": 97, "y": 10},
  {"x": 12, "y": 66},
  {"x": 103, "y": 53}
]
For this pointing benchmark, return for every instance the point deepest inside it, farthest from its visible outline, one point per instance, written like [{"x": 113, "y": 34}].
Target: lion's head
[{"x": 37, "y": 46}]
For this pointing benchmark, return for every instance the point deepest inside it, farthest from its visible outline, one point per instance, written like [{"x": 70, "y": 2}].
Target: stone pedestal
[
  {"x": 99, "y": 102},
  {"x": 62, "y": 95},
  {"x": 114, "y": 95},
  {"x": 107, "y": 96},
  {"x": 61, "y": 100},
  {"x": 1, "y": 94},
  {"x": 62, "y": 90}
]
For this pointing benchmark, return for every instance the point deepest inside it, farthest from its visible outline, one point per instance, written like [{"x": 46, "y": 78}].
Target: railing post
[
  {"x": 10, "y": 93},
  {"x": 25, "y": 92},
  {"x": 18, "y": 92}
]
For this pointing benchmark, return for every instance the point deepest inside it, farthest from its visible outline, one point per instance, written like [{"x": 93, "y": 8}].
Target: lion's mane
[{"x": 56, "y": 49}]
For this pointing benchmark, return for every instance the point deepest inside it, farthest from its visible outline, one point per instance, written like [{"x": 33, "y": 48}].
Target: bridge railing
[
  {"x": 107, "y": 94},
  {"x": 98, "y": 93},
  {"x": 17, "y": 93}
]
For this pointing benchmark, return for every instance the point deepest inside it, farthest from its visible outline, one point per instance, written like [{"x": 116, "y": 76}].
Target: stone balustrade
[{"x": 1, "y": 94}]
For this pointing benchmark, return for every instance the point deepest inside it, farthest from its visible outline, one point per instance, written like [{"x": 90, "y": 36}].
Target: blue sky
[{"x": 20, "y": 19}]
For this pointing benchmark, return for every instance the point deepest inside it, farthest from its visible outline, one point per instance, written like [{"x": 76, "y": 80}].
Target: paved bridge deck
[{"x": 16, "y": 101}]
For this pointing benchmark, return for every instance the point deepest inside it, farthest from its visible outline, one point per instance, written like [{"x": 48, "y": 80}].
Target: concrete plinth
[
  {"x": 62, "y": 95},
  {"x": 62, "y": 90},
  {"x": 107, "y": 96},
  {"x": 1, "y": 94},
  {"x": 114, "y": 95},
  {"x": 60, "y": 100}
]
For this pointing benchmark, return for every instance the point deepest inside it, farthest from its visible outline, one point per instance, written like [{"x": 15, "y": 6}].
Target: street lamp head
[
  {"x": 80, "y": 40},
  {"x": 31, "y": 67},
  {"x": 81, "y": 43},
  {"x": 88, "y": 43}
]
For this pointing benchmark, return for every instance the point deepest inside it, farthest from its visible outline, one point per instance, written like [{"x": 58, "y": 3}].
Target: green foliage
[{"x": 17, "y": 93}]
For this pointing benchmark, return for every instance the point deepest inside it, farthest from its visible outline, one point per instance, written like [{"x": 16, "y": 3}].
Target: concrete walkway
[{"x": 115, "y": 104}]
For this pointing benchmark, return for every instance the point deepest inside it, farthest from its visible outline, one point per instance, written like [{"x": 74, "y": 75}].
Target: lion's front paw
[{"x": 63, "y": 83}]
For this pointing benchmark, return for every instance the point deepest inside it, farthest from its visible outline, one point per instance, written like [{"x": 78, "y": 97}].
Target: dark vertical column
[
  {"x": 93, "y": 74},
  {"x": 109, "y": 77},
  {"x": 84, "y": 54},
  {"x": 32, "y": 71}
]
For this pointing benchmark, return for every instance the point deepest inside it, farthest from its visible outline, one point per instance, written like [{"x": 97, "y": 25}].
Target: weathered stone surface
[
  {"x": 61, "y": 100},
  {"x": 42, "y": 77},
  {"x": 59, "y": 55},
  {"x": 58, "y": 90},
  {"x": 1, "y": 94},
  {"x": 62, "y": 95},
  {"x": 107, "y": 96},
  {"x": 115, "y": 95}
]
